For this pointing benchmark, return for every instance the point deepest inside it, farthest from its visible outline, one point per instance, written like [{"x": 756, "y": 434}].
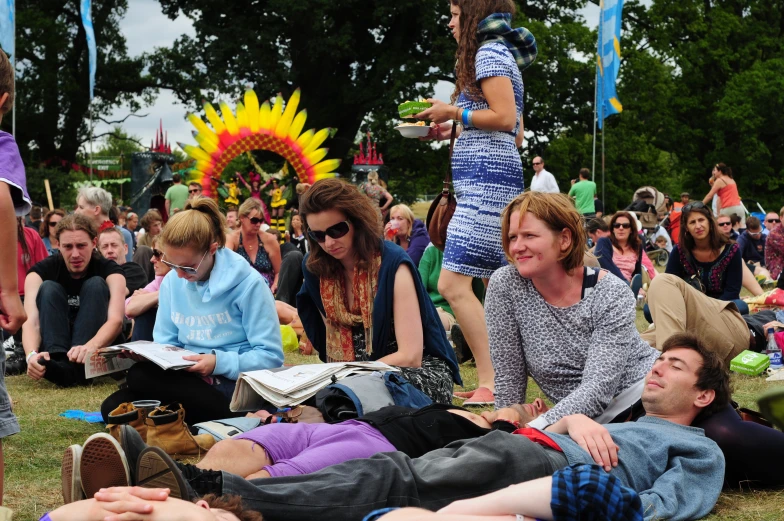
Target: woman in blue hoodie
[
  {"x": 363, "y": 298},
  {"x": 211, "y": 302},
  {"x": 407, "y": 232}
]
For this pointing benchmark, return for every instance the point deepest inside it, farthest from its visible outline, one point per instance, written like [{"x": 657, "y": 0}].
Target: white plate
[{"x": 413, "y": 131}]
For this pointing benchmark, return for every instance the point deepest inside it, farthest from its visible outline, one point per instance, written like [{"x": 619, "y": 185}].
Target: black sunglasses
[
  {"x": 194, "y": 191},
  {"x": 725, "y": 224},
  {"x": 53, "y": 224},
  {"x": 625, "y": 226},
  {"x": 773, "y": 220},
  {"x": 157, "y": 253},
  {"x": 336, "y": 231},
  {"x": 255, "y": 220},
  {"x": 693, "y": 206},
  {"x": 538, "y": 163}
]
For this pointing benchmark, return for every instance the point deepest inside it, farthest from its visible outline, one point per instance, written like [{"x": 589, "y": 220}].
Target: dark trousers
[
  {"x": 201, "y": 401},
  {"x": 349, "y": 491},
  {"x": 144, "y": 324},
  {"x": 59, "y": 333},
  {"x": 290, "y": 278}
]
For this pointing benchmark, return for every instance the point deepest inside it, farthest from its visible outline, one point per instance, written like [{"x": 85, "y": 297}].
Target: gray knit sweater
[{"x": 581, "y": 356}]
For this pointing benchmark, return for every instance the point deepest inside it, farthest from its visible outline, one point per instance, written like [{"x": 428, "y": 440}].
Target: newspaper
[
  {"x": 98, "y": 365},
  {"x": 293, "y": 385},
  {"x": 164, "y": 356}
]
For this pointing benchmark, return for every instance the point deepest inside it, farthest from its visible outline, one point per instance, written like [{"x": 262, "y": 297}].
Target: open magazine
[
  {"x": 293, "y": 385},
  {"x": 164, "y": 356}
]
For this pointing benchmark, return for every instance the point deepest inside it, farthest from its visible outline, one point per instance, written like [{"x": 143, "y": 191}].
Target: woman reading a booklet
[
  {"x": 363, "y": 299},
  {"x": 213, "y": 303}
]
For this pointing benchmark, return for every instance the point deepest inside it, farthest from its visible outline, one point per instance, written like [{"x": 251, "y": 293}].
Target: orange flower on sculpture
[{"x": 253, "y": 127}]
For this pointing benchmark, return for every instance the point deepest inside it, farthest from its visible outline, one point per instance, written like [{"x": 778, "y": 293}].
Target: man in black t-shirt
[
  {"x": 74, "y": 303},
  {"x": 111, "y": 246}
]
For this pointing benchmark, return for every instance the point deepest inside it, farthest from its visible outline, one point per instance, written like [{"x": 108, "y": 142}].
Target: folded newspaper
[
  {"x": 293, "y": 385},
  {"x": 164, "y": 356}
]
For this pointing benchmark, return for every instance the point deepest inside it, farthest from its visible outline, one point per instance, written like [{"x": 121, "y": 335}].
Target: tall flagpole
[
  {"x": 90, "y": 113},
  {"x": 604, "y": 129},
  {"x": 595, "y": 97}
]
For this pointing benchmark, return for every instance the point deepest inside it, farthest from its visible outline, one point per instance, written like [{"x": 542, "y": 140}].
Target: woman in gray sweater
[{"x": 569, "y": 327}]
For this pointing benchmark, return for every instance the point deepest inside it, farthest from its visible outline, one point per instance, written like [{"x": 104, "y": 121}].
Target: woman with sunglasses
[
  {"x": 706, "y": 258},
  {"x": 622, "y": 253},
  {"x": 727, "y": 189},
  {"x": 47, "y": 230},
  {"x": 362, "y": 298},
  {"x": 213, "y": 303},
  {"x": 260, "y": 249},
  {"x": 142, "y": 306}
]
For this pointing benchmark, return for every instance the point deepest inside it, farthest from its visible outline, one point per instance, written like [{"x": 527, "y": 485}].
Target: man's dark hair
[
  {"x": 233, "y": 505},
  {"x": 35, "y": 213},
  {"x": 753, "y": 223},
  {"x": 585, "y": 173},
  {"x": 176, "y": 178},
  {"x": 712, "y": 375},
  {"x": 735, "y": 219},
  {"x": 594, "y": 225},
  {"x": 194, "y": 183}
]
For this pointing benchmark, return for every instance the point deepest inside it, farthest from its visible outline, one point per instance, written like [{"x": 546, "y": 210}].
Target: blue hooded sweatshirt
[{"x": 230, "y": 315}]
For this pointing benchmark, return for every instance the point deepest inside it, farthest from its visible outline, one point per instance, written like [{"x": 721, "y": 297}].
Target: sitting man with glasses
[
  {"x": 74, "y": 305},
  {"x": 725, "y": 227},
  {"x": 752, "y": 247},
  {"x": 772, "y": 221}
]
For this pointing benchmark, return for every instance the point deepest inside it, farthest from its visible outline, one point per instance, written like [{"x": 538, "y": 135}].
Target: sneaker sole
[
  {"x": 102, "y": 465},
  {"x": 156, "y": 469},
  {"x": 69, "y": 475}
]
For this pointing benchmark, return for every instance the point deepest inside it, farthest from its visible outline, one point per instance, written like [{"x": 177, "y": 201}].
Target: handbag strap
[{"x": 448, "y": 176}]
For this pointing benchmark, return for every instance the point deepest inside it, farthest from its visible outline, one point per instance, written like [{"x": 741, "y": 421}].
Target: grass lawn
[{"x": 32, "y": 458}]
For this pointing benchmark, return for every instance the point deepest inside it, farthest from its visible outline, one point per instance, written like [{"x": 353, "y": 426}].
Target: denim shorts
[{"x": 8, "y": 423}]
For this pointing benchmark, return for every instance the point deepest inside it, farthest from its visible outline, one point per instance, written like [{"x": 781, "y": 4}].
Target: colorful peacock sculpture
[{"x": 254, "y": 127}]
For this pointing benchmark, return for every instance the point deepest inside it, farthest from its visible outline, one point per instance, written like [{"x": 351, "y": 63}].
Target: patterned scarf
[
  {"x": 340, "y": 320},
  {"x": 520, "y": 42},
  {"x": 715, "y": 273}
]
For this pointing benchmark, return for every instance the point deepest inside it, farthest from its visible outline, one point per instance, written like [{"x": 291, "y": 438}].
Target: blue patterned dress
[{"x": 487, "y": 174}]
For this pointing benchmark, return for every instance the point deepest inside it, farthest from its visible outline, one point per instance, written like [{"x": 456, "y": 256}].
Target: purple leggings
[{"x": 302, "y": 448}]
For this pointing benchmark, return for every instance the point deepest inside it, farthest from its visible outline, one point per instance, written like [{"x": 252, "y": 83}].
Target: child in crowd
[{"x": 14, "y": 202}]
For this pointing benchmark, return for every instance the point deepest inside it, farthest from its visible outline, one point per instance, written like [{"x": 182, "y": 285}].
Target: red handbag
[{"x": 443, "y": 207}]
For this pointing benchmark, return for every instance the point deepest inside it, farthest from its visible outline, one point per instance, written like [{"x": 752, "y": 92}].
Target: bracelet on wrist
[
  {"x": 30, "y": 355},
  {"x": 464, "y": 117},
  {"x": 470, "y": 118}
]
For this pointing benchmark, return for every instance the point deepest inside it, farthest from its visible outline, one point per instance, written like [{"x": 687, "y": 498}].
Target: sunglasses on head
[
  {"x": 336, "y": 231},
  {"x": 157, "y": 253},
  {"x": 698, "y": 205},
  {"x": 625, "y": 226},
  {"x": 185, "y": 269},
  {"x": 777, "y": 221}
]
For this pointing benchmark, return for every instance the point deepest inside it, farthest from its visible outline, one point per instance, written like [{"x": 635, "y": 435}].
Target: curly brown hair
[
  {"x": 334, "y": 194},
  {"x": 233, "y": 505},
  {"x": 471, "y": 13}
]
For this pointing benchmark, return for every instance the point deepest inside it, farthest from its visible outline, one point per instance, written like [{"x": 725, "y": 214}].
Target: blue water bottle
[{"x": 773, "y": 351}]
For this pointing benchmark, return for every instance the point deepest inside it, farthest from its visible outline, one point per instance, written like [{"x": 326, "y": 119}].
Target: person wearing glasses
[
  {"x": 212, "y": 302},
  {"x": 363, "y": 299},
  {"x": 194, "y": 191},
  {"x": 74, "y": 305},
  {"x": 774, "y": 253},
  {"x": 772, "y": 221},
  {"x": 142, "y": 305},
  {"x": 623, "y": 253},
  {"x": 543, "y": 181},
  {"x": 725, "y": 226},
  {"x": 705, "y": 258},
  {"x": 47, "y": 230},
  {"x": 727, "y": 189},
  {"x": 752, "y": 247},
  {"x": 260, "y": 249}
]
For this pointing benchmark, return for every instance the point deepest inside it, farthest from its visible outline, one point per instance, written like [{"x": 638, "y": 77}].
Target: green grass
[{"x": 32, "y": 458}]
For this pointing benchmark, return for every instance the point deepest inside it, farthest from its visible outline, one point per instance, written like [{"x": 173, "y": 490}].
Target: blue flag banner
[
  {"x": 87, "y": 22},
  {"x": 7, "y": 26},
  {"x": 608, "y": 59}
]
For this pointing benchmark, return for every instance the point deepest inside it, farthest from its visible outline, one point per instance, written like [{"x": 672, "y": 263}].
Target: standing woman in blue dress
[{"x": 487, "y": 173}]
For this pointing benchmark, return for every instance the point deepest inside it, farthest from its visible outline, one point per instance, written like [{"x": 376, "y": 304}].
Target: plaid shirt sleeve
[{"x": 588, "y": 493}]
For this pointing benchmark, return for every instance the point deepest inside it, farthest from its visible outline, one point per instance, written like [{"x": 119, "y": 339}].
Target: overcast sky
[{"x": 145, "y": 27}]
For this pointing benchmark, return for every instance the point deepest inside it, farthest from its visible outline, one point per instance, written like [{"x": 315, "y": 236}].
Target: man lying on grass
[{"x": 674, "y": 468}]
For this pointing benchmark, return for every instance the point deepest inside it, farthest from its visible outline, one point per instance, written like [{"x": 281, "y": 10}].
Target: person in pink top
[
  {"x": 623, "y": 253},
  {"x": 727, "y": 189},
  {"x": 142, "y": 306}
]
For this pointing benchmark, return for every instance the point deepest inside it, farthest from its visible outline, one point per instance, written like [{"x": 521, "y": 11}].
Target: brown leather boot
[
  {"x": 127, "y": 414},
  {"x": 167, "y": 430}
]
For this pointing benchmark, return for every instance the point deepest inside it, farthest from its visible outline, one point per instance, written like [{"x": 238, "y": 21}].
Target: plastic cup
[{"x": 147, "y": 405}]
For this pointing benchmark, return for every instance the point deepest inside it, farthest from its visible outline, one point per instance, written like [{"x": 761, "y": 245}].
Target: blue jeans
[
  {"x": 60, "y": 331},
  {"x": 144, "y": 324}
]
